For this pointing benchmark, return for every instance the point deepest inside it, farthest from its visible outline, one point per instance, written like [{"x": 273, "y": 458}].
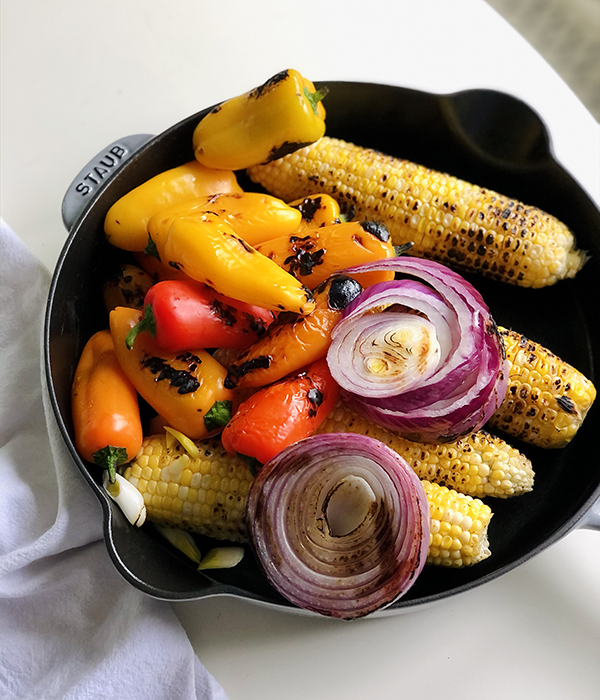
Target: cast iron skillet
[{"x": 482, "y": 136}]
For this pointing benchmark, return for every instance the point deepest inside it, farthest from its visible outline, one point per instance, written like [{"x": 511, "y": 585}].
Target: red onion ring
[
  {"x": 470, "y": 380},
  {"x": 339, "y": 523}
]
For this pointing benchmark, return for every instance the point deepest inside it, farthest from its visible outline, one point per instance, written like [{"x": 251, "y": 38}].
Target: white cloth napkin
[{"x": 71, "y": 628}]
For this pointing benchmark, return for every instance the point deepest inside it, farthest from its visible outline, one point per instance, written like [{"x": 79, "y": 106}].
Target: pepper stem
[
  {"x": 151, "y": 248},
  {"x": 148, "y": 323},
  {"x": 315, "y": 97},
  {"x": 109, "y": 458}
]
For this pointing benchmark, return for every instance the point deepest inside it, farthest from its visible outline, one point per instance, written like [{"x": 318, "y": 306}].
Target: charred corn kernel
[
  {"x": 547, "y": 399},
  {"x": 317, "y": 210},
  {"x": 276, "y": 118},
  {"x": 126, "y": 222},
  {"x": 315, "y": 254},
  {"x": 208, "y": 250},
  {"x": 213, "y": 505},
  {"x": 466, "y": 520},
  {"x": 478, "y": 464},
  {"x": 254, "y": 217},
  {"x": 127, "y": 288},
  {"x": 465, "y": 226}
]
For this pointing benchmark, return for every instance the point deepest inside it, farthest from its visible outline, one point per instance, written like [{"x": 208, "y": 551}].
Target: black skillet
[{"x": 482, "y": 136}]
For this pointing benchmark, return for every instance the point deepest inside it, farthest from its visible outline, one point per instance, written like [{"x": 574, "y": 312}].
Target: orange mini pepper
[
  {"x": 186, "y": 388},
  {"x": 288, "y": 346},
  {"x": 315, "y": 254},
  {"x": 104, "y": 406},
  {"x": 282, "y": 413}
]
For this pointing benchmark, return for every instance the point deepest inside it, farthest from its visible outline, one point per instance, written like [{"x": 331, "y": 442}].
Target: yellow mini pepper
[
  {"x": 279, "y": 117},
  {"x": 208, "y": 250},
  {"x": 186, "y": 389},
  {"x": 255, "y": 217},
  {"x": 126, "y": 222}
]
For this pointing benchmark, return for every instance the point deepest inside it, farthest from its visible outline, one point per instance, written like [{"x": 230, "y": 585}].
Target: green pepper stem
[
  {"x": 218, "y": 415},
  {"x": 109, "y": 458},
  {"x": 402, "y": 248},
  {"x": 315, "y": 97},
  {"x": 148, "y": 323},
  {"x": 151, "y": 248}
]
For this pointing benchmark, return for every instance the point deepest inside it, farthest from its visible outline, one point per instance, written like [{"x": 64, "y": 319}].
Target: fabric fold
[{"x": 70, "y": 626}]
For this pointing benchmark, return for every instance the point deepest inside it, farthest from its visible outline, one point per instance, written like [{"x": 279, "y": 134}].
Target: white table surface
[{"x": 78, "y": 75}]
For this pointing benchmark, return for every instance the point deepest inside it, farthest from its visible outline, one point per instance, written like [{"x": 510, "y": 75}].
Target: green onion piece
[
  {"x": 315, "y": 97},
  {"x": 109, "y": 458},
  {"x": 218, "y": 415},
  {"x": 148, "y": 323}
]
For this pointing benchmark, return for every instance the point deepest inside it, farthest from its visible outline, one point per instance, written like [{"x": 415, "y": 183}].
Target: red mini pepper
[
  {"x": 282, "y": 413},
  {"x": 184, "y": 314}
]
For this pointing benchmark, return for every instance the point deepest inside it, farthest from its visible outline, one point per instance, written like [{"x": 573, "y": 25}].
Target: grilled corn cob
[
  {"x": 465, "y": 226},
  {"x": 478, "y": 464},
  {"x": 458, "y": 530},
  {"x": 547, "y": 399},
  {"x": 207, "y": 494}
]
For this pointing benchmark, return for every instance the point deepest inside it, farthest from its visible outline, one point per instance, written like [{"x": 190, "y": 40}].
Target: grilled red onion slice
[
  {"x": 421, "y": 354},
  {"x": 339, "y": 523}
]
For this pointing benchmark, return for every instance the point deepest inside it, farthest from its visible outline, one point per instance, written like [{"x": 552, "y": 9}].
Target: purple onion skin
[
  {"x": 415, "y": 414},
  {"x": 294, "y": 547}
]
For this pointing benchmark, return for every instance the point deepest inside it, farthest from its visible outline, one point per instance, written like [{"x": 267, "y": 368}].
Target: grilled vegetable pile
[{"x": 304, "y": 372}]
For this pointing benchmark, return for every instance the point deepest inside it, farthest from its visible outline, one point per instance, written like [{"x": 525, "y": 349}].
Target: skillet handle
[
  {"x": 591, "y": 520},
  {"x": 97, "y": 174}
]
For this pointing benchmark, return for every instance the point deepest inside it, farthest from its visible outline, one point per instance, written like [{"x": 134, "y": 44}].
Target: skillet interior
[{"x": 482, "y": 136}]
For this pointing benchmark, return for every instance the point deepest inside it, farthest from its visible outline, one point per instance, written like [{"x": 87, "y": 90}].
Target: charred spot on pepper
[
  {"x": 302, "y": 263},
  {"x": 236, "y": 371},
  {"x": 256, "y": 325},
  {"x": 377, "y": 229},
  {"x": 182, "y": 380},
  {"x": 308, "y": 208},
  {"x": 245, "y": 246},
  {"x": 268, "y": 84},
  {"x": 189, "y": 357},
  {"x": 342, "y": 291},
  {"x": 315, "y": 396},
  {"x": 224, "y": 312}
]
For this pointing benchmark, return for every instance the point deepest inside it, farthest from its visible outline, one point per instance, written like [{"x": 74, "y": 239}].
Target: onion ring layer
[
  {"x": 340, "y": 524},
  {"x": 420, "y": 355}
]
